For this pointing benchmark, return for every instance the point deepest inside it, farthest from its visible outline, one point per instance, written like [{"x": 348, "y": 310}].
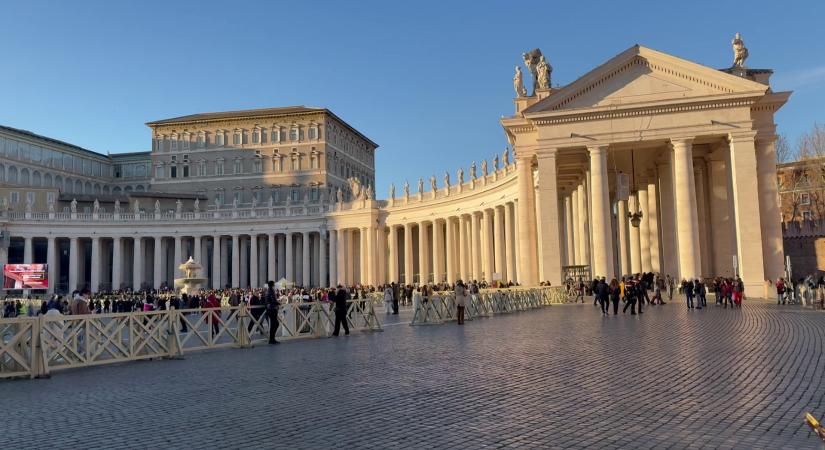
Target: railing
[
  {"x": 441, "y": 306},
  {"x": 151, "y": 216},
  {"x": 35, "y": 346}
]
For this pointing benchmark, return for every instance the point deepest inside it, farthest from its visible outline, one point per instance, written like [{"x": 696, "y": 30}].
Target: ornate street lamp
[{"x": 635, "y": 217}]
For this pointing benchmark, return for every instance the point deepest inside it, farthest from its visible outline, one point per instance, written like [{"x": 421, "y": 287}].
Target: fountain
[{"x": 191, "y": 283}]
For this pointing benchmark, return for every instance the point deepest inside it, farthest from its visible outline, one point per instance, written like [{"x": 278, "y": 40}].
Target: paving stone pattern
[{"x": 559, "y": 377}]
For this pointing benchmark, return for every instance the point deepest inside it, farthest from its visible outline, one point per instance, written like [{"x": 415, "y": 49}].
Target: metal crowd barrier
[
  {"x": 441, "y": 307},
  {"x": 35, "y": 346}
]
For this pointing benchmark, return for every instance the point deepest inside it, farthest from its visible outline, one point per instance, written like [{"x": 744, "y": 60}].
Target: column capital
[
  {"x": 681, "y": 143},
  {"x": 597, "y": 149},
  {"x": 742, "y": 136}
]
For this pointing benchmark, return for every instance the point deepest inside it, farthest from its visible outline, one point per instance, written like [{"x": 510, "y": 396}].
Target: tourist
[
  {"x": 388, "y": 299},
  {"x": 80, "y": 305},
  {"x": 701, "y": 293},
  {"x": 602, "y": 294},
  {"x": 630, "y": 296},
  {"x": 272, "y": 305},
  {"x": 780, "y": 291},
  {"x": 213, "y": 304},
  {"x": 615, "y": 293},
  {"x": 460, "y": 300},
  {"x": 341, "y": 297},
  {"x": 395, "y": 297},
  {"x": 738, "y": 292},
  {"x": 687, "y": 288}
]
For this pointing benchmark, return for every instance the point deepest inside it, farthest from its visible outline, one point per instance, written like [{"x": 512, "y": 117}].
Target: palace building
[{"x": 647, "y": 163}]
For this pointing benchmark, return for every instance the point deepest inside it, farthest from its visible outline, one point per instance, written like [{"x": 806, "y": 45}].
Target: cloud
[{"x": 800, "y": 78}]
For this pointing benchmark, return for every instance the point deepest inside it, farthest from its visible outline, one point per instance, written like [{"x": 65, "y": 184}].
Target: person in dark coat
[
  {"x": 341, "y": 297},
  {"x": 601, "y": 293},
  {"x": 615, "y": 293},
  {"x": 395, "y": 296},
  {"x": 272, "y": 305}
]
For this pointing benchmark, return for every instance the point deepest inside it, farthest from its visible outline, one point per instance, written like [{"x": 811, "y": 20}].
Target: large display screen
[{"x": 25, "y": 276}]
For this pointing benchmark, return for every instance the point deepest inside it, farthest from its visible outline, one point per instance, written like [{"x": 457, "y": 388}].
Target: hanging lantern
[{"x": 635, "y": 217}]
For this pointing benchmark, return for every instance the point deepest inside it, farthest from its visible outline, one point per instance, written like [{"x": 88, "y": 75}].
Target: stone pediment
[{"x": 640, "y": 76}]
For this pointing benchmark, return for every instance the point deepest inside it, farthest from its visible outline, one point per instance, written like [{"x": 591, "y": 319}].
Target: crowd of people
[{"x": 650, "y": 288}]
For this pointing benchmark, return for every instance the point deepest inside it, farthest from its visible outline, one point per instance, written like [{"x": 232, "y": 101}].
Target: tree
[{"x": 804, "y": 180}]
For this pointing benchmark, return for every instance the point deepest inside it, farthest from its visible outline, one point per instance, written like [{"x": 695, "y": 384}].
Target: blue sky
[{"x": 428, "y": 81}]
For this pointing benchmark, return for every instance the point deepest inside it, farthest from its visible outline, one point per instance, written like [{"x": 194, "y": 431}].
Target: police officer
[{"x": 271, "y": 300}]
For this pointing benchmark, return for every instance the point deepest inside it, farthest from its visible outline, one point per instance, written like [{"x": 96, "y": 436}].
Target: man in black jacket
[
  {"x": 395, "y": 296},
  {"x": 271, "y": 301},
  {"x": 341, "y": 297}
]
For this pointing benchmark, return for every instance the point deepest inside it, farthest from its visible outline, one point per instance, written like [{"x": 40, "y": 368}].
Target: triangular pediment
[{"x": 641, "y": 76}]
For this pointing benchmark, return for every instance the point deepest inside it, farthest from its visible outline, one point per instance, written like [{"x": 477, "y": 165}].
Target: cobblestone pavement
[{"x": 560, "y": 377}]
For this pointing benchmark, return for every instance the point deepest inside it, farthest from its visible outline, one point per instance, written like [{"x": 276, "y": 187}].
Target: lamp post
[{"x": 635, "y": 217}]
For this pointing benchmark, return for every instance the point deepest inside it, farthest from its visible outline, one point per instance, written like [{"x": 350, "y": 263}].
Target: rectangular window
[
  {"x": 159, "y": 172},
  {"x": 30, "y": 198},
  {"x": 237, "y": 197},
  {"x": 219, "y": 139},
  {"x": 313, "y": 133},
  {"x": 257, "y": 166},
  {"x": 275, "y": 136},
  {"x": 174, "y": 158},
  {"x": 236, "y": 139},
  {"x": 173, "y": 172},
  {"x": 219, "y": 168},
  {"x": 219, "y": 197},
  {"x": 293, "y": 134},
  {"x": 201, "y": 140},
  {"x": 256, "y": 137},
  {"x": 49, "y": 197},
  {"x": 15, "y": 197},
  {"x": 185, "y": 171},
  {"x": 174, "y": 144},
  {"x": 296, "y": 195},
  {"x": 237, "y": 166},
  {"x": 805, "y": 199},
  {"x": 186, "y": 157},
  {"x": 806, "y": 215}
]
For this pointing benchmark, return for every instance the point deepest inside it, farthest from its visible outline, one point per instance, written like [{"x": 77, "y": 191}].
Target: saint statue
[
  {"x": 484, "y": 167},
  {"x": 544, "y": 70},
  {"x": 392, "y": 190},
  {"x": 96, "y": 207},
  {"x": 495, "y": 163},
  {"x": 531, "y": 60},
  {"x": 420, "y": 185},
  {"x": 433, "y": 185},
  {"x": 137, "y": 206},
  {"x": 339, "y": 195},
  {"x": 446, "y": 179},
  {"x": 406, "y": 189},
  {"x": 235, "y": 203},
  {"x": 254, "y": 201},
  {"x": 29, "y": 205},
  {"x": 506, "y": 156},
  {"x": 518, "y": 83},
  {"x": 740, "y": 52},
  {"x": 473, "y": 170},
  {"x": 217, "y": 204},
  {"x": 369, "y": 192},
  {"x": 73, "y": 205},
  {"x": 157, "y": 206},
  {"x": 51, "y": 207},
  {"x": 271, "y": 201},
  {"x": 117, "y": 206},
  {"x": 178, "y": 206},
  {"x": 459, "y": 174},
  {"x": 197, "y": 205}
]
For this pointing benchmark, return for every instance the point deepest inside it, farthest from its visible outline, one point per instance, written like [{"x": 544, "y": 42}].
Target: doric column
[
  {"x": 721, "y": 213},
  {"x": 408, "y": 254},
  {"x": 687, "y": 224},
  {"x": 488, "y": 245},
  {"x": 380, "y": 240},
  {"x": 624, "y": 246},
  {"x": 393, "y": 255},
  {"x": 602, "y": 228},
  {"x": 95, "y": 275},
  {"x": 463, "y": 247},
  {"x": 510, "y": 241},
  {"x": 216, "y": 262},
  {"x": 584, "y": 236},
  {"x": 253, "y": 261},
  {"x": 644, "y": 230},
  {"x": 157, "y": 255},
  {"x": 281, "y": 244},
  {"x": 116, "y": 263},
  {"x": 570, "y": 231},
  {"x": 333, "y": 258},
  {"x": 226, "y": 262},
  {"x": 670, "y": 252},
  {"x": 548, "y": 223},
  {"x": 449, "y": 245},
  {"x": 322, "y": 259},
  {"x": 438, "y": 252},
  {"x": 28, "y": 252},
  {"x": 244, "y": 253},
  {"x": 635, "y": 239},
  {"x": 178, "y": 256},
  {"x": 578, "y": 256},
  {"x": 290, "y": 268},
  {"x": 423, "y": 254},
  {"x": 51, "y": 261},
  {"x": 498, "y": 241},
  {"x": 475, "y": 245},
  {"x": 702, "y": 213},
  {"x": 341, "y": 254},
  {"x": 74, "y": 261},
  {"x": 236, "y": 261},
  {"x": 772, "y": 247},
  {"x": 271, "y": 268},
  {"x": 527, "y": 239},
  {"x": 746, "y": 207},
  {"x": 137, "y": 263},
  {"x": 653, "y": 224},
  {"x": 362, "y": 256},
  {"x": 305, "y": 266},
  {"x": 197, "y": 250}
]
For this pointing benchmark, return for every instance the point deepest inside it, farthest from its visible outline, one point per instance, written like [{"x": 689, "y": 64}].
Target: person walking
[
  {"x": 272, "y": 305},
  {"x": 396, "y": 295},
  {"x": 602, "y": 294},
  {"x": 341, "y": 297},
  {"x": 460, "y": 300},
  {"x": 388, "y": 299},
  {"x": 615, "y": 292},
  {"x": 687, "y": 288},
  {"x": 780, "y": 291},
  {"x": 630, "y": 296}
]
